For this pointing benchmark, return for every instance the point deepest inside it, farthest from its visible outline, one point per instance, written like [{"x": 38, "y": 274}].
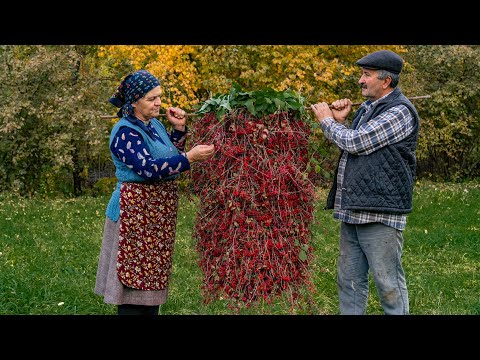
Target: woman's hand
[
  {"x": 200, "y": 153},
  {"x": 176, "y": 117}
]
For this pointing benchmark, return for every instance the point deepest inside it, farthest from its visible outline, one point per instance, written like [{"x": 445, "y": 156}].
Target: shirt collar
[
  {"x": 368, "y": 103},
  {"x": 144, "y": 126}
]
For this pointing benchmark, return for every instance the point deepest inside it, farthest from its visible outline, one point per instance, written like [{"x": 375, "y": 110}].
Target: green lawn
[{"x": 49, "y": 250}]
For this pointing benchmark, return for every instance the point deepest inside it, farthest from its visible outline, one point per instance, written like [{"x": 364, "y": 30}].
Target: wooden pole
[
  {"x": 410, "y": 98},
  {"x": 361, "y": 102},
  {"x": 306, "y": 107}
]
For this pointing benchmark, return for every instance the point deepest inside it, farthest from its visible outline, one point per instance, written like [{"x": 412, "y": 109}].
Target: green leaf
[
  {"x": 263, "y": 102},
  {"x": 249, "y": 104},
  {"x": 280, "y": 104},
  {"x": 302, "y": 255}
]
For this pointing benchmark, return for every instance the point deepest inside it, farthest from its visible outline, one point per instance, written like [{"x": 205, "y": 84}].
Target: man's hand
[{"x": 339, "y": 110}]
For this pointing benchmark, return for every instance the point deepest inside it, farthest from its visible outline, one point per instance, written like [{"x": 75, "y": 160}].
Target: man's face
[{"x": 372, "y": 87}]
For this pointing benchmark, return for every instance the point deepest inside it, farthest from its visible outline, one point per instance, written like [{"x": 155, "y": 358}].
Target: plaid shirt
[{"x": 387, "y": 128}]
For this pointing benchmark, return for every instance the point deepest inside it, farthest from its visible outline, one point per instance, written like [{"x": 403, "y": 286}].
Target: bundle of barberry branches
[{"x": 256, "y": 203}]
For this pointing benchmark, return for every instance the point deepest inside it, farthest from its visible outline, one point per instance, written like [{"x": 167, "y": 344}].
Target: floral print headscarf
[{"x": 131, "y": 89}]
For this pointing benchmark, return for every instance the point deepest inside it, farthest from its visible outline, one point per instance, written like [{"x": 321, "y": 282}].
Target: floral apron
[{"x": 148, "y": 215}]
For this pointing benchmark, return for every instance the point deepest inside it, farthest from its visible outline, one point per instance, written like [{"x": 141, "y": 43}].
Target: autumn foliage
[{"x": 252, "y": 228}]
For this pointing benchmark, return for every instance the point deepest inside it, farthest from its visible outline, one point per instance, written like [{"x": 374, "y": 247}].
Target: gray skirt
[{"x": 107, "y": 283}]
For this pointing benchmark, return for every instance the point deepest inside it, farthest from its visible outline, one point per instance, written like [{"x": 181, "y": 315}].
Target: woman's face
[{"x": 148, "y": 106}]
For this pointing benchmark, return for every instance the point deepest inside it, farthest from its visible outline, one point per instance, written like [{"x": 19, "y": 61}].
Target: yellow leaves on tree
[
  {"x": 190, "y": 74},
  {"x": 170, "y": 63}
]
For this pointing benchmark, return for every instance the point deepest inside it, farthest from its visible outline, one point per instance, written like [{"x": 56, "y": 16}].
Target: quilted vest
[
  {"x": 124, "y": 173},
  {"x": 383, "y": 180}
]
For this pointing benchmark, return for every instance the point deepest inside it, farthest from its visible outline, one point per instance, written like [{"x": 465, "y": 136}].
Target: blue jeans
[{"x": 377, "y": 248}]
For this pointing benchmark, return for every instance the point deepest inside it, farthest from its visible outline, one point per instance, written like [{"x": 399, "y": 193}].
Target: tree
[
  {"x": 50, "y": 127},
  {"x": 448, "y": 146}
]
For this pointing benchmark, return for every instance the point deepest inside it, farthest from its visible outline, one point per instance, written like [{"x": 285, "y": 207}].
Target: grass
[{"x": 49, "y": 251}]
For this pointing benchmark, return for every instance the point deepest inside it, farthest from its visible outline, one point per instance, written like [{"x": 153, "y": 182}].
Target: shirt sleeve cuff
[{"x": 178, "y": 133}]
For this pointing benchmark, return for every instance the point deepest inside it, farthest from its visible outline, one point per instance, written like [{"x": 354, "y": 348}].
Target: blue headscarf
[{"x": 131, "y": 89}]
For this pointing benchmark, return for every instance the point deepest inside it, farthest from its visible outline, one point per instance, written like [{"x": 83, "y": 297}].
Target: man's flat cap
[{"x": 382, "y": 60}]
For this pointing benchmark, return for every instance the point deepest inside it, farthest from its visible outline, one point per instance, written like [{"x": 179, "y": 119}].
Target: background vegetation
[{"x": 54, "y": 141}]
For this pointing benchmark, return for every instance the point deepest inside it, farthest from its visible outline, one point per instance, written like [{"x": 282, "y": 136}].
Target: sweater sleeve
[
  {"x": 129, "y": 148},
  {"x": 179, "y": 138},
  {"x": 389, "y": 127}
]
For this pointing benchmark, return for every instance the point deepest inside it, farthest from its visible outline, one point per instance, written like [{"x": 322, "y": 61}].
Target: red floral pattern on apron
[{"x": 148, "y": 215}]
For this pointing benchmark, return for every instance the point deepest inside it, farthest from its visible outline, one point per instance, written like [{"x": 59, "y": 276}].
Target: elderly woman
[{"x": 139, "y": 233}]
